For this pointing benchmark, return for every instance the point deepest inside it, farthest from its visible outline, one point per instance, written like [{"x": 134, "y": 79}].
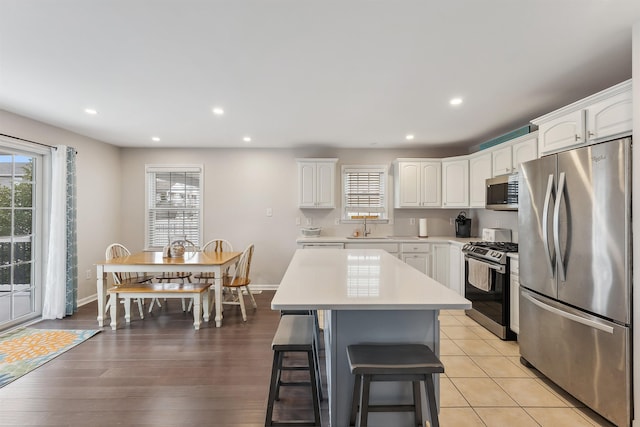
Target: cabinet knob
[
  {"x": 591, "y": 134},
  {"x": 577, "y": 137}
]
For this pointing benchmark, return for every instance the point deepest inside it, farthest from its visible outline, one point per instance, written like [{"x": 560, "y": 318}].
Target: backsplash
[{"x": 440, "y": 222}]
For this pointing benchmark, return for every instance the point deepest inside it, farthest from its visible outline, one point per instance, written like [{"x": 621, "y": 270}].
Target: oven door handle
[{"x": 502, "y": 269}]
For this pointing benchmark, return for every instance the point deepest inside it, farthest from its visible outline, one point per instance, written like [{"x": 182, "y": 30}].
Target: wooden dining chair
[
  {"x": 215, "y": 245},
  {"x": 183, "y": 276},
  {"x": 239, "y": 282},
  {"x": 117, "y": 250}
]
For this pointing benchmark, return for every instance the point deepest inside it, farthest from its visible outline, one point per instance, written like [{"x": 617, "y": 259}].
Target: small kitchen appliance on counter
[
  {"x": 463, "y": 225},
  {"x": 496, "y": 234}
]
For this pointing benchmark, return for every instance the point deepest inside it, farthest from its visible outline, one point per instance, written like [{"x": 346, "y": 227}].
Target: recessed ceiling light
[
  {"x": 247, "y": 139},
  {"x": 90, "y": 111},
  {"x": 218, "y": 111},
  {"x": 155, "y": 139},
  {"x": 455, "y": 101},
  {"x": 409, "y": 137}
]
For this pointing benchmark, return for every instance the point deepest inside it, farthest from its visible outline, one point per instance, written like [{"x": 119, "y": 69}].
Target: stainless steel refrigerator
[{"x": 574, "y": 223}]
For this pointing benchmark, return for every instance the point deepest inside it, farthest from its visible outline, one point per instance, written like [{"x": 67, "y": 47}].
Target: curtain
[{"x": 61, "y": 263}]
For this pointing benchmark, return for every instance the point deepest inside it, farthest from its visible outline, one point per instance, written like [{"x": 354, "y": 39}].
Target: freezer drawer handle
[
  {"x": 556, "y": 225},
  {"x": 587, "y": 322},
  {"x": 545, "y": 227}
]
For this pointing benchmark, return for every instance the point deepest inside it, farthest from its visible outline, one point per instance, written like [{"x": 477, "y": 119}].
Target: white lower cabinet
[
  {"x": 418, "y": 256},
  {"x": 456, "y": 269},
  {"x": 514, "y": 302},
  {"x": 440, "y": 263}
]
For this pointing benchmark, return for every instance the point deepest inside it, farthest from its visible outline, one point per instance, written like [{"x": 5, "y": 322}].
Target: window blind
[
  {"x": 174, "y": 205},
  {"x": 364, "y": 192}
]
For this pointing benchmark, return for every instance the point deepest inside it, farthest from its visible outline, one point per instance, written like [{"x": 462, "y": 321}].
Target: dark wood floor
[{"x": 157, "y": 372}]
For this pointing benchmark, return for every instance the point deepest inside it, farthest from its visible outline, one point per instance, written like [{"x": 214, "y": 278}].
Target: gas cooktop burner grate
[{"x": 497, "y": 246}]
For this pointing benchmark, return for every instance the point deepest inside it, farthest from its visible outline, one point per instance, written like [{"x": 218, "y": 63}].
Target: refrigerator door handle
[
  {"x": 587, "y": 322},
  {"x": 545, "y": 227},
  {"x": 556, "y": 225}
]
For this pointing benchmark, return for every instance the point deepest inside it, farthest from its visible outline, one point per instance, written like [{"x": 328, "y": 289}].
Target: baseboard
[{"x": 87, "y": 300}]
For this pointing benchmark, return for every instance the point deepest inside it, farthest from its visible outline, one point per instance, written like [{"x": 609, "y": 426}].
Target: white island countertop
[{"x": 359, "y": 279}]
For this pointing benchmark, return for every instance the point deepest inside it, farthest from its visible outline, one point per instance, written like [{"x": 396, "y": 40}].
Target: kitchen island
[{"x": 369, "y": 296}]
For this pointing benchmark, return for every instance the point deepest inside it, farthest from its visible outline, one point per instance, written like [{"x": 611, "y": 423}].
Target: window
[
  {"x": 364, "y": 192},
  {"x": 174, "y": 205}
]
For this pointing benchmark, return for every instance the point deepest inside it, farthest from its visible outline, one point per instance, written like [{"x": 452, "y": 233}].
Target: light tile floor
[{"x": 485, "y": 384}]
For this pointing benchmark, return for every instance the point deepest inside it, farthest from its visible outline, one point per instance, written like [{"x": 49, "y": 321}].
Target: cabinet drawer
[
  {"x": 389, "y": 247},
  {"x": 415, "y": 247}
]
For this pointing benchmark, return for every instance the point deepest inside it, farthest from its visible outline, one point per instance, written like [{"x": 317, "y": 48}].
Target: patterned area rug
[{"x": 23, "y": 350}]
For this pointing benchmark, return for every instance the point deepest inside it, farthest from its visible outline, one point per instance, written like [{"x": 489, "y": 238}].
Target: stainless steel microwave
[{"x": 502, "y": 193}]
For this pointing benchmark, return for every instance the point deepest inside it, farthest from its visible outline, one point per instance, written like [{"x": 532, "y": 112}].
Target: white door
[{"x": 20, "y": 287}]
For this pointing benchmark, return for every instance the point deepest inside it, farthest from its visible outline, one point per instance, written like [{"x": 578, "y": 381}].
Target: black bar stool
[
  {"x": 393, "y": 362},
  {"x": 295, "y": 333}
]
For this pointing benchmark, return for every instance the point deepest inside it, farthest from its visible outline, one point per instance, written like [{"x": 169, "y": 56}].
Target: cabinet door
[
  {"x": 524, "y": 151},
  {"x": 479, "y": 171},
  {"x": 306, "y": 185},
  {"x": 456, "y": 269},
  {"x": 440, "y": 263},
  {"x": 325, "y": 188},
  {"x": 431, "y": 180},
  {"x": 610, "y": 117},
  {"x": 455, "y": 183},
  {"x": 419, "y": 261},
  {"x": 408, "y": 185},
  {"x": 502, "y": 162},
  {"x": 561, "y": 133}
]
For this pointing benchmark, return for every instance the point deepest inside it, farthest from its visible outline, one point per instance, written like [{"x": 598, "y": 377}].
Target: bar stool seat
[
  {"x": 295, "y": 333},
  {"x": 393, "y": 362}
]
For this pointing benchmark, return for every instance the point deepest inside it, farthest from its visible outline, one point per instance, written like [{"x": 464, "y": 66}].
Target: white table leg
[
  {"x": 205, "y": 305},
  {"x": 113, "y": 311},
  {"x": 218, "y": 302},
  {"x": 100, "y": 279},
  {"x": 197, "y": 310}
]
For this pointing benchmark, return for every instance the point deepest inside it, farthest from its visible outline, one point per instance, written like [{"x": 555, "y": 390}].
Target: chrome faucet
[{"x": 365, "y": 232}]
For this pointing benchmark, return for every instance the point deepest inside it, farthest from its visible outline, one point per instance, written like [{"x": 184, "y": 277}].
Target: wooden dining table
[{"x": 154, "y": 262}]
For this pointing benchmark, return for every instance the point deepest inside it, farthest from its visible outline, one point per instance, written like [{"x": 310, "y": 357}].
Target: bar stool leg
[
  {"x": 355, "y": 401},
  {"x": 417, "y": 403},
  {"x": 315, "y": 396},
  {"x": 364, "y": 403},
  {"x": 272, "y": 390},
  {"x": 431, "y": 398}
]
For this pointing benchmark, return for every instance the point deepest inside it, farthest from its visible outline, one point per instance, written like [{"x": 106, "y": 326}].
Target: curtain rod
[
  {"x": 28, "y": 140},
  {"x": 33, "y": 142}
]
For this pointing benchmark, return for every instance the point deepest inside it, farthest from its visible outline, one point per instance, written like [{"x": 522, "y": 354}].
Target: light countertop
[
  {"x": 359, "y": 279},
  {"x": 388, "y": 239}
]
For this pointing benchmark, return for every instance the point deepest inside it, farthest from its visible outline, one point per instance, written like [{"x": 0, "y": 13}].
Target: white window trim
[
  {"x": 367, "y": 168},
  {"x": 152, "y": 168}
]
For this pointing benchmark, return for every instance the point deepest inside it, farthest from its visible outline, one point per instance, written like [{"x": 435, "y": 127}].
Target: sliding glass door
[{"x": 20, "y": 216}]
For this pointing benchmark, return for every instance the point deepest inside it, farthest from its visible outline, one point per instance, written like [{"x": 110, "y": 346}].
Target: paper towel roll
[{"x": 423, "y": 227}]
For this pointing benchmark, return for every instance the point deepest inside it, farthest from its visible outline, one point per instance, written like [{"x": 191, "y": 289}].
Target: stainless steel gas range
[{"x": 487, "y": 285}]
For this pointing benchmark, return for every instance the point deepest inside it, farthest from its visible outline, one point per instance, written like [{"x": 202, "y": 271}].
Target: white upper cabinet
[
  {"x": 316, "y": 183},
  {"x": 479, "y": 171},
  {"x": 417, "y": 183},
  {"x": 455, "y": 182},
  {"x": 606, "y": 114},
  {"x": 507, "y": 158}
]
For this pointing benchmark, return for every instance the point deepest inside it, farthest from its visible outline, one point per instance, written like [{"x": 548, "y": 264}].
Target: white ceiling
[{"x": 293, "y": 73}]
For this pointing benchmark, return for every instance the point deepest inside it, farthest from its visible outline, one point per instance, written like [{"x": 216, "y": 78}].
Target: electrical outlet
[
  {"x": 450, "y": 221},
  {"x": 336, "y": 221},
  {"x": 412, "y": 221},
  {"x": 88, "y": 274},
  {"x": 269, "y": 212},
  {"x": 308, "y": 221},
  {"x": 298, "y": 220}
]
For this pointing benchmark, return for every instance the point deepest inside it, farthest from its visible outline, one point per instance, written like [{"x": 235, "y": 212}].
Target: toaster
[{"x": 496, "y": 234}]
